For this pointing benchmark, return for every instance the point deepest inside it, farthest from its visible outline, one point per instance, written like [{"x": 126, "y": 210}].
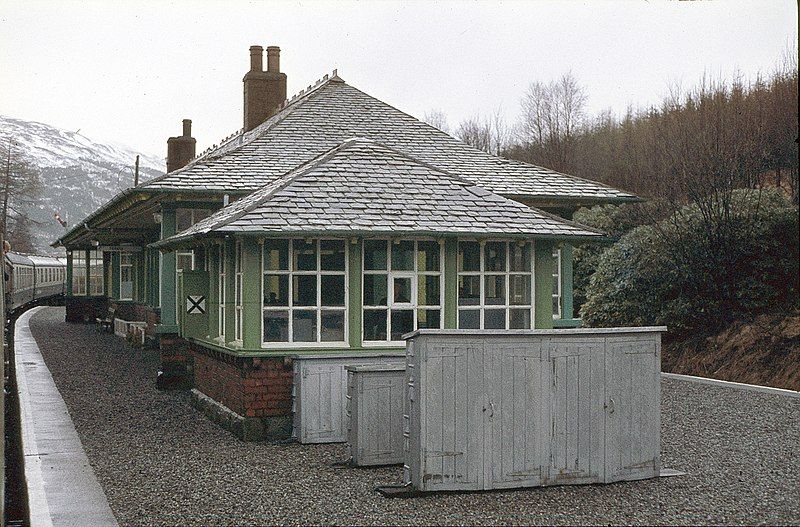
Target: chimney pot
[
  {"x": 256, "y": 58},
  {"x": 187, "y": 128},
  {"x": 274, "y": 59},
  {"x": 181, "y": 149}
]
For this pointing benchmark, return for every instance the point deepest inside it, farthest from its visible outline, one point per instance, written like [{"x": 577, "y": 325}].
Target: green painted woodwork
[
  {"x": 543, "y": 267},
  {"x": 68, "y": 285},
  {"x": 115, "y": 275},
  {"x": 251, "y": 293},
  {"x": 155, "y": 260},
  {"x": 107, "y": 274},
  {"x": 141, "y": 276},
  {"x": 451, "y": 284},
  {"x": 194, "y": 324},
  {"x": 566, "y": 282},
  {"x": 213, "y": 292},
  {"x": 354, "y": 297},
  {"x": 230, "y": 295},
  {"x": 566, "y": 323},
  {"x": 168, "y": 275}
]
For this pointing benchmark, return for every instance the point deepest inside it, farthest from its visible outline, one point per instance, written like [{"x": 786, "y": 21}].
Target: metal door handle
[
  {"x": 611, "y": 406},
  {"x": 491, "y": 408}
]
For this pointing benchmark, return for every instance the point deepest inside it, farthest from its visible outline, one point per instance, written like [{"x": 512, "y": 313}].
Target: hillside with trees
[{"x": 713, "y": 253}]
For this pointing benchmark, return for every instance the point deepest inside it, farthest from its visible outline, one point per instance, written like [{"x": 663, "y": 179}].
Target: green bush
[{"x": 698, "y": 272}]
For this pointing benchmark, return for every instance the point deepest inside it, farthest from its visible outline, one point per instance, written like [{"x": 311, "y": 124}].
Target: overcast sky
[{"x": 128, "y": 72}]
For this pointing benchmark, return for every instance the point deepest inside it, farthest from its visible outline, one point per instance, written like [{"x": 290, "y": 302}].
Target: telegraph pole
[{"x": 136, "y": 173}]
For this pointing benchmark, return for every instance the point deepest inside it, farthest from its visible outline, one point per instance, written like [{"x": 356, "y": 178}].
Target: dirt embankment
[{"x": 763, "y": 351}]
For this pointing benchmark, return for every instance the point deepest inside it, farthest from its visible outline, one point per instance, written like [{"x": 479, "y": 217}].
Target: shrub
[{"x": 698, "y": 272}]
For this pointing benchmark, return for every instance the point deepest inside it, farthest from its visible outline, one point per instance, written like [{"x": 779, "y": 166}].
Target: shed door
[
  {"x": 576, "y": 437},
  {"x": 516, "y": 380},
  {"x": 452, "y": 422},
  {"x": 632, "y": 371},
  {"x": 321, "y": 408},
  {"x": 381, "y": 398}
]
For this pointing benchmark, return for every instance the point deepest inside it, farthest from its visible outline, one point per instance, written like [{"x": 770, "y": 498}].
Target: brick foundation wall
[
  {"x": 259, "y": 389},
  {"x": 134, "y": 311}
]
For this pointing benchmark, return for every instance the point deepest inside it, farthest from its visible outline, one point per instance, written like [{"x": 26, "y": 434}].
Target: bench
[{"x": 107, "y": 324}]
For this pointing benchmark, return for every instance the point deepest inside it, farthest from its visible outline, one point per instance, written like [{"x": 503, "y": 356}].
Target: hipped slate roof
[
  {"x": 362, "y": 187},
  {"x": 333, "y": 112}
]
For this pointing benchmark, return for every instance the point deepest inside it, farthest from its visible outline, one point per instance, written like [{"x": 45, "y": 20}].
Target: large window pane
[
  {"x": 375, "y": 290},
  {"x": 469, "y": 290},
  {"x": 429, "y": 318},
  {"x": 374, "y": 324},
  {"x": 332, "y": 329},
  {"x": 375, "y": 255},
  {"x": 304, "y": 325},
  {"x": 520, "y": 257},
  {"x": 494, "y": 319},
  {"x": 495, "y": 256},
  {"x": 276, "y": 326},
  {"x": 403, "y": 255},
  {"x": 276, "y": 255},
  {"x": 520, "y": 319},
  {"x": 428, "y": 256},
  {"x": 304, "y": 290},
  {"x": 402, "y": 323},
  {"x": 401, "y": 290},
  {"x": 305, "y": 255},
  {"x": 332, "y": 255},
  {"x": 332, "y": 290},
  {"x": 276, "y": 290},
  {"x": 428, "y": 290},
  {"x": 469, "y": 256},
  {"x": 469, "y": 319},
  {"x": 520, "y": 289},
  {"x": 495, "y": 290}
]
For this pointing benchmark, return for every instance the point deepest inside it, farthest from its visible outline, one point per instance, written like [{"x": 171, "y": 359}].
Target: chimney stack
[
  {"x": 264, "y": 91},
  {"x": 181, "y": 150}
]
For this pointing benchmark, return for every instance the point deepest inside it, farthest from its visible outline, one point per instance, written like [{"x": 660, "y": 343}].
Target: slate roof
[
  {"x": 334, "y": 111},
  {"x": 363, "y": 187}
]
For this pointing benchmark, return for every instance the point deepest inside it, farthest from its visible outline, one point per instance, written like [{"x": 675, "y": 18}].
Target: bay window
[
  {"x": 557, "y": 283},
  {"x": 96, "y": 273},
  {"x": 304, "y": 296},
  {"x": 402, "y": 288},
  {"x": 79, "y": 273},
  {"x": 495, "y": 285}
]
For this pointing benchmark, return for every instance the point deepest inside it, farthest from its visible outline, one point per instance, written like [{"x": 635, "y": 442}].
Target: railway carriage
[{"x": 29, "y": 278}]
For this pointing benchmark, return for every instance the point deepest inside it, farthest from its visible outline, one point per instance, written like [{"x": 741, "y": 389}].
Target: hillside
[{"x": 78, "y": 174}]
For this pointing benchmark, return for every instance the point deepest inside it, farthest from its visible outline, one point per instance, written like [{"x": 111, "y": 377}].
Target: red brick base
[{"x": 255, "y": 388}]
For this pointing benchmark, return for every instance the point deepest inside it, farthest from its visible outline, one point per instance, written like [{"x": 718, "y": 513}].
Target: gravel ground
[{"x": 162, "y": 463}]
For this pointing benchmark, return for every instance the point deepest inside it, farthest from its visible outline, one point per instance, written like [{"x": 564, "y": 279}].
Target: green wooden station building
[{"x": 331, "y": 223}]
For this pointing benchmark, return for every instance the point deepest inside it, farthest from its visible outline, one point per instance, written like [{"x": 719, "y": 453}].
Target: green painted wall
[
  {"x": 213, "y": 291},
  {"x": 68, "y": 285},
  {"x": 230, "y": 298},
  {"x": 543, "y": 267},
  {"x": 168, "y": 286},
  {"x": 566, "y": 282},
  {"x": 115, "y": 275},
  {"x": 251, "y": 293},
  {"x": 450, "y": 284},
  {"x": 355, "y": 297}
]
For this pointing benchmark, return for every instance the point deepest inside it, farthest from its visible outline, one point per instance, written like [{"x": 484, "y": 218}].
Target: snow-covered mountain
[{"x": 78, "y": 174}]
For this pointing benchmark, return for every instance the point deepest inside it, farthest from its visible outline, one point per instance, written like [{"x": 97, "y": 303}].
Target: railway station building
[{"x": 331, "y": 223}]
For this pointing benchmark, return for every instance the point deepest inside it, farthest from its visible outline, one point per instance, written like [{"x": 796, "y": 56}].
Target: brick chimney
[
  {"x": 264, "y": 91},
  {"x": 181, "y": 150}
]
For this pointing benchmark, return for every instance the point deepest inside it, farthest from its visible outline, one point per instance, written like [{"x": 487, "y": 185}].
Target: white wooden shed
[
  {"x": 375, "y": 399},
  {"x": 502, "y": 409},
  {"x": 319, "y": 394}
]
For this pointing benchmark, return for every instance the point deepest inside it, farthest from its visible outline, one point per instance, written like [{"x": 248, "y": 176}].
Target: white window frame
[
  {"x": 238, "y": 274},
  {"x": 390, "y": 276},
  {"x": 319, "y": 273},
  {"x": 98, "y": 287},
  {"x": 222, "y": 290},
  {"x": 129, "y": 266},
  {"x": 507, "y": 274},
  {"x": 557, "y": 294},
  {"x": 76, "y": 289}
]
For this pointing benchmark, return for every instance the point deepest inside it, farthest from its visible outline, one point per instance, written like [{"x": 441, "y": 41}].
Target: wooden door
[
  {"x": 632, "y": 408},
  {"x": 576, "y": 428},
  {"x": 516, "y": 380}
]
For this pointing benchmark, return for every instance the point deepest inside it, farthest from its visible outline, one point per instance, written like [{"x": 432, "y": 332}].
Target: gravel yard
[{"x": 161, "y": 462}]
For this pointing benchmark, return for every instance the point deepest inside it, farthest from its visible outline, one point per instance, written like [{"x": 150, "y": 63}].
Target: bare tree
[
  {"x": 437, "y": 119},
  {"x": 477, "y": 132},
  {"x": 21, "y": 187}
]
